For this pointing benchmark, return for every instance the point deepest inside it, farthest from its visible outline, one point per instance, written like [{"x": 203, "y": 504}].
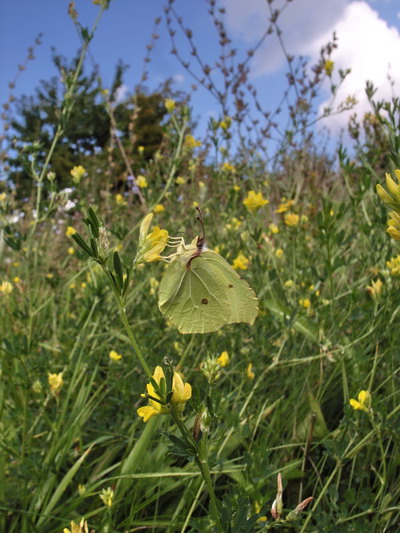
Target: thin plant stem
[{"x": 202, "y": 463}]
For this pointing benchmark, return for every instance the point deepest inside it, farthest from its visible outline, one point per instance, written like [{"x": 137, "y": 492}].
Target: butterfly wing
[
  {"x": 242, "y": 300},
  {"x": 192, "y": 297}
]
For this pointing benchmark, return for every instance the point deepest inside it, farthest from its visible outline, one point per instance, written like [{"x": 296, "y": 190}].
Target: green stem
[
  {"x": 128, "y": 329},
  {"x": 202, "y": 463}
]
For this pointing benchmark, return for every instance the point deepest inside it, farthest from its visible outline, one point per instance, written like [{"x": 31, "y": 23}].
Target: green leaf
[{"x": 78, "y": 239}]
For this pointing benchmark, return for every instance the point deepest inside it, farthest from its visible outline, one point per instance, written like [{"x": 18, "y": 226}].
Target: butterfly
[{"x": 200, "y": 292}]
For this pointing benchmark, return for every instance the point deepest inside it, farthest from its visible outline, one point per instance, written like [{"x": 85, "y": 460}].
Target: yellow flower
[
  {"x": 236, "y": 188},
  {"x": 140, "y": 150},
  {"x": 250, "y": 372},
  {"x": 257, "y": 510},
  {"x": 391, "y": 198},
  {"x": 2, "y": 197},
  {"x": 75, "y": 528},
  {"x": 394, "y": 225},
  {"x": 254, "y": 201},
  {"x": 328, "y": 67},
  {"x": 70, "y": 231},
  {"x": 363, "y": 402},
  {"x": 226, "y": 123},
  {"x": 273, "y": 228},
  {"x": 120, "y": 200},
  {"x": 56, "y": 382},
  {"x": 375, "y": 289},
  {"x": 71, "y": 250},
  {"x": 284, "y": 206},
  {"x": 195, "y": 204},
  {"x": 182, "y": 392},
  {"x": 159, "y": 208},
  {"x": 16, "y": 279},
  {"x": 190, "y": 142},
  {"x": 279, "y": 253},
  {"x": 154, "y": 283},
  {"x": 223, "y": 359},
  {"x": 170, "y": 104},
  {"x": 180, "y": 181},
  {"x": 114, "y": 356},
  {"x": 227, "y": 167},
  {"x": 77, "y": 173},
  {"x": 150, "y": 244},
  {"x": 289, "y": 284},
  {"x": 291, "y": 219},
  {"x": 236, "y": 223},
  {"x": 141, "y": 182},
  {"x": 6, "y": 287},
  {"x": 240, "y": 262},
  {"x": 305, "y": 302},
  {"x": 394, "y": 265},
  {"x": 107, "y": 496}
]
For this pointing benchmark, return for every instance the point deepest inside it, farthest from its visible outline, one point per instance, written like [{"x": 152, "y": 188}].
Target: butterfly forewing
[{"x": 193, "y": 298}]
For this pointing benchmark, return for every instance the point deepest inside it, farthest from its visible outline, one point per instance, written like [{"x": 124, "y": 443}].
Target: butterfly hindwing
[{"x": 193, "y": 298}]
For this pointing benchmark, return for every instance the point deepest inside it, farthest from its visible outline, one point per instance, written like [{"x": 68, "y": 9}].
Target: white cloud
[
  {"x": 371, "y": 49},
  {"x": 302, "y": 22},
  {"x": 121, "y": 93},
  {"x": 178, "y": 78},
  {"x": 367, "y": 44}
]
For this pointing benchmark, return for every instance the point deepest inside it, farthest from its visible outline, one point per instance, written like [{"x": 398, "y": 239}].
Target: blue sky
[{"x": 369, "y": 42}]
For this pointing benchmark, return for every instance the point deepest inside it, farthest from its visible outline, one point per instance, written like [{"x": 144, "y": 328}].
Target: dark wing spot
[
  {"x": 204, "y": 301},
  {"x": 230, "y": 286}
]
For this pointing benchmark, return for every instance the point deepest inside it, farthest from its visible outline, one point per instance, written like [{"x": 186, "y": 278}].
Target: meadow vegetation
[{"x": 301, "y": 408}]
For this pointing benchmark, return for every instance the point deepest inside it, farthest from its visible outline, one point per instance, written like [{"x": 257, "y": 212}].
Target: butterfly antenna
[{"x": 202, "y": 238}]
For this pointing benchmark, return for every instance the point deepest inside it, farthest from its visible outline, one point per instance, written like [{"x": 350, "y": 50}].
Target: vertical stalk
[
  {"x": 202, "y": 463},
  {"x": 128, "y": 329}
]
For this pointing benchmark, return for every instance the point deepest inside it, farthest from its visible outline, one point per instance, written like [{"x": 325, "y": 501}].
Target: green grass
[{"x": 281, "y": 405}]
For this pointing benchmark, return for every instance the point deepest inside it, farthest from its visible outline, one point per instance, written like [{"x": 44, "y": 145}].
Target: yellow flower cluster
[
  {"x": 77, "y": 173},
  {"x": 107, "y": 496},
  {"x": 375, "y": 289},
  {"x": 223, "y": 359},
  {"x": 55, "y": 382},
  {"x": 120, "y": 200},
  {"x": 250, "y": 372},
  {"x": 291, "y": 219},
  {"x": 150, "y": 244},
  {"x": 391, "y": 198},
  {"x": 82, "y": 527},
  {"x": 254, "y": 201},
  {"x": 227, "y": 167},
  {"x": 6, "y": 288},
  {"x": 141, "y": 182},
  {"x": 190, "y": 142},
  {"x": 284, "y": 206},
  {"x": 170, "y": 104},
  {"x": 328, "y": 67},
  {"x": 363, "y": 402},
  {"x": 226, "y": 123},
  {"x": 159, "y": 208},
  {"x": 182, "y": 392},
  {"x": 70, "y": 231},
  {"x": 114, "y": 356},
  {"x": 394, "y": 265},
  {"x": 305, "y": 302},
  {"x": 241, "y": 262}
]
